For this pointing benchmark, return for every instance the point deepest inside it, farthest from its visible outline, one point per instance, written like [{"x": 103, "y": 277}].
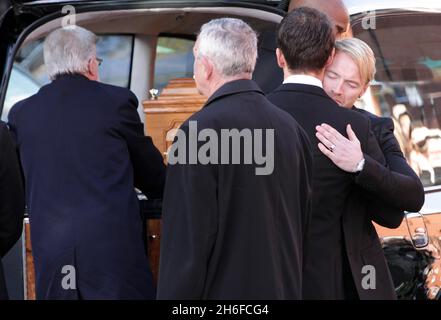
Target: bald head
[{"x": 334, "y": 9}]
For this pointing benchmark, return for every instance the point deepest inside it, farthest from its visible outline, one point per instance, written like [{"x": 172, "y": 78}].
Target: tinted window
[
  {"x": 174, "y": 59},
  {"x": 407, "y": 47}
]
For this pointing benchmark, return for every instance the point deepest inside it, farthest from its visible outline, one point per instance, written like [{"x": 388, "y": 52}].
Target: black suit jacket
[
  {"x": 11, "y": 199},
  {"x": 396, "y": 183},
  {"x": 83, "y": 150},
  {"x": 399, "y": 187},
  {"x": 227, "y": 232},
  {"x": 325, "y": 273}
]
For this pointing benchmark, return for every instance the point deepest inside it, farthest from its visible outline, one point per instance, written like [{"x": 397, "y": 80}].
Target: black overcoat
[
  {"x": 83, "y": 150},
  {"x": 227, "y": 232}
]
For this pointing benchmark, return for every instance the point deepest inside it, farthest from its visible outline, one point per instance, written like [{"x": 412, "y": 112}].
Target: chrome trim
[
  {"x": 432, "y": 189},
  {"x": 23, "y": 249}
]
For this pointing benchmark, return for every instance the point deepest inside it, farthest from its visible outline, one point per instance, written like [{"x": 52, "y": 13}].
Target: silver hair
[
  {"x": 69, "y": 50},
  {"x": 230, "y": 44}
]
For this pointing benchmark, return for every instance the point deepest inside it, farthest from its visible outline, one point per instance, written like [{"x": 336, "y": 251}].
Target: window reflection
[{"x": 174, "y": 59}]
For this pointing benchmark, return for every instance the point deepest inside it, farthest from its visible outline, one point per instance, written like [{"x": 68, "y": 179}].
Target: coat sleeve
[
  {"x": 371, "y": 180},
  {"x": 148, "y": 164},
  {"x": 11, "y": 193},
  {"x": 189, "y": 227},
  {"x": 396, "y": 183}
]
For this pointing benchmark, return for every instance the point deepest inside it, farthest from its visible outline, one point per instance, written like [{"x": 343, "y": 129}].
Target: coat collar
[
  {"x": 305, "y": 88},
  {"x": 233, "y": 87},
  {"x": 70, "y": 76}
]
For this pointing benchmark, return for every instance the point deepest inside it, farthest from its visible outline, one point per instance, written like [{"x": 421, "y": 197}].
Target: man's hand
[{"x": 344, "y": 153}]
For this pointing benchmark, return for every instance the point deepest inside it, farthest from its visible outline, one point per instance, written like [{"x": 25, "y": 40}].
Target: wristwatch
[{"x": 360, "y": 165}]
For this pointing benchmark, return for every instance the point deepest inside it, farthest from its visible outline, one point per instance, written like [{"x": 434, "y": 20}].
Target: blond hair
[{"x": 361, "y": 54}]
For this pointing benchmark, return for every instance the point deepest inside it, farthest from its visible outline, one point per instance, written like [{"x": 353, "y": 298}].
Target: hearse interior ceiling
[
  {"x": 156, "y": 21},
  {"x": 422, "y": 40}
]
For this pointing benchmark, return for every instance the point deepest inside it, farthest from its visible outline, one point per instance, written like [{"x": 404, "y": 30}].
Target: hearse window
[
  {"x": 174, "y": 59},
  {"x": 29, "y": 74},
  {"x": 407, "y": 87}
]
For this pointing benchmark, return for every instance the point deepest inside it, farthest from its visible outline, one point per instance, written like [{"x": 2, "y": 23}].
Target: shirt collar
[{"x": 304, "y": 79}]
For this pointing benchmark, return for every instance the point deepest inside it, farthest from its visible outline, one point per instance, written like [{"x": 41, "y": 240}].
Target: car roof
[
  {"x": 354, "y": 6},
  {"x": 32, "y": 2}
]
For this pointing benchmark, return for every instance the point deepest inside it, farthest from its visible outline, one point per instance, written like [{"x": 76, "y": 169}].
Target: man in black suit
[
  {"x": 233, "y": 228},
  {"x": 305, "y": 47},
  {"x": 83, "y": 151},
  {"x": 267, "y": 74},
  {"x": 11, "y": 200},
  {"x": 345, "y": 81}
]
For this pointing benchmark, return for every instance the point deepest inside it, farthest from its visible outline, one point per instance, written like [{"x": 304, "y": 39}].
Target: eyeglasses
[{"x": 99, "y": 60}]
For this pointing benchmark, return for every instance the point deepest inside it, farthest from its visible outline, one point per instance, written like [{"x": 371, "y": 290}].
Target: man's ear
[
  {"x": 280, "y": 58},
  {"x": 92, "y": 70},
  {"x": 331, "y": 58},
  {"x": 208, "y": 68}
]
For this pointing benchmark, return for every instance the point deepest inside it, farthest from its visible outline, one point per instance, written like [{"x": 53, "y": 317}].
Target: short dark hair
[{"x": 306, "y": 39}]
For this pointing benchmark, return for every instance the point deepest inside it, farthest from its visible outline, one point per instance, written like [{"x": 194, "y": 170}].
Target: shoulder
[
  {"x": 302, "y": 96},
  {"x": 360, "y": 124},
  {"x": 372, "y": 117},
  {"x": 17, "y": 107},
  {"x": 214, "y": 114},
  {"x": 384, "y": 123},
  {"x": 204, "y": 118},
  {"x": 377, "y": 120},
  {"x": 384, "y": 129},
  {"x": 354, "y": 116},
  {"x": 283, "y": 117},
  {"x": 272, "y": 95},
  {"x": 118, "y": 101},
  {"x": 118, "y": 93},
  {"x": 366, "y": 113},
  {"x": 377, "y": 123}
]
